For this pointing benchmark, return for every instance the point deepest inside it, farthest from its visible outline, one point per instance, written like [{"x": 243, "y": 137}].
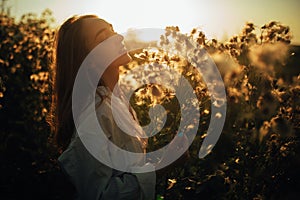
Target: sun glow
[
  {"x": 217, "y": 18},
  {"x": 141, "y": 14}
]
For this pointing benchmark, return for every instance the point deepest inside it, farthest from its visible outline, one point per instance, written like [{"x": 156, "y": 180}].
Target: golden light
[{"x": 217, "y": 18}]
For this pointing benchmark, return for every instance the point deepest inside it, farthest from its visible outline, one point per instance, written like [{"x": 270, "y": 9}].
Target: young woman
[{"x": 75, "y": 39}]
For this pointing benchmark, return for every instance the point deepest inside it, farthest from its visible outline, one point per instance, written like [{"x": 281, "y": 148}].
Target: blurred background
[{"x": 255, "y": 45}]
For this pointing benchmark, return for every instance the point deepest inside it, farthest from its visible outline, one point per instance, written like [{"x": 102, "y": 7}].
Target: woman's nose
[{"x": 120, "y": 37}]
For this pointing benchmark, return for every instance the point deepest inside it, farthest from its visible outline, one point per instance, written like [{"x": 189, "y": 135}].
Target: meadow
[{"x": 256, "y": 157}]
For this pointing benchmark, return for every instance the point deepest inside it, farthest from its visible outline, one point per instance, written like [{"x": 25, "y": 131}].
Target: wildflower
[
  {"x": 193, "y": 31},
  {"x": 267, "y": 105},
  {"x": 156, "y": 91},
  {"x": 264, "y": 130},
  {"x": 265, "y": 57},
  {"x": 281, "y": 126},
  {"x": 225, "y": 63}
]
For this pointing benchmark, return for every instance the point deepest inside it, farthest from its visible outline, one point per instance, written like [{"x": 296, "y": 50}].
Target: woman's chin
[
  {"x": 122, "y": 60},
  {"x": 126, "y": 58},
  {"x": 129, "y": 58}
]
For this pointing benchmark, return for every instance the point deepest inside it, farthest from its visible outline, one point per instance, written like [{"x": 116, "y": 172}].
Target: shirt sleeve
[{"x": 94, "y": 180}]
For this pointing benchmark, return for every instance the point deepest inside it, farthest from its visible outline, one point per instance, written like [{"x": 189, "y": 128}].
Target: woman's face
[{"x": 96, "y": 31}]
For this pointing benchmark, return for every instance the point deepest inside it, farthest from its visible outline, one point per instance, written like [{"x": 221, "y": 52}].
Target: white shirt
[{"x": 93, "y": 179}]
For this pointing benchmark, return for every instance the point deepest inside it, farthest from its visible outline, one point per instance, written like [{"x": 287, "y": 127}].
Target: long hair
[{"x": 70, "y": 51}]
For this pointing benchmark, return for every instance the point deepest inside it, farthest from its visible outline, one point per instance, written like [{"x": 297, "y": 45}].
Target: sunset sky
[{"x": 217, "y": 18}]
